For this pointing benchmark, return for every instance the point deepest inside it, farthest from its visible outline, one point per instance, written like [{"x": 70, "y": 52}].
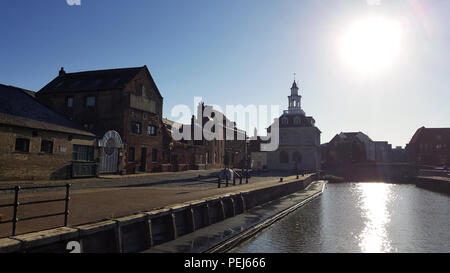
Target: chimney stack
[{"x": 62, "y": 72}]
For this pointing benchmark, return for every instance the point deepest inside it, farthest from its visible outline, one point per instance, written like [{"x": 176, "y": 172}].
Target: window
[
  {"x": 136, "y": 127},
  {"x": 83, "y": 153},
  {"x": 90, "y": 101},
  {"x": 147, "y": 92},
  {"x": 47, "y": 146},
  {"x": 131, "y": 154},
  {"x": 69, "y": 102},
  {"x": 284, "y": 121},
  {"x": 22, "y": 145},
  {"x": 151, "y": 130},
  {"x": 297, "y": 121},
  {"x": 139, "y": 90},
  {"x": 154, "y": 155}
]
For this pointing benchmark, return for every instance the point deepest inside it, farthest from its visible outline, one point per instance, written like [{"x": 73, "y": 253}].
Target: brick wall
[{"x": 36, "y": 165}]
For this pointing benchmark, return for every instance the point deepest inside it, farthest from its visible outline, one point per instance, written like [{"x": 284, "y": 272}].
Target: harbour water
[{"x": 361, "y": 217}]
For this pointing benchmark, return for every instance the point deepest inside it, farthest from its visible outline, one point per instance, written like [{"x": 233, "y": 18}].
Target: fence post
[
  {"x": 16, "y": 206},
  {"x": 66, "y": 209}
]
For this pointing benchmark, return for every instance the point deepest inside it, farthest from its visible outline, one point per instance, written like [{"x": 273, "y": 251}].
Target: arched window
[
  {"x": 284, "y": 157},
  {"x": 284, "y": 121},
  {"x": 297, "y": 121}
]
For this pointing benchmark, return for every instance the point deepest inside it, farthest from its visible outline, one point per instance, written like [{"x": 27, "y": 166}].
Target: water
[{"x": 361, "y": 217}]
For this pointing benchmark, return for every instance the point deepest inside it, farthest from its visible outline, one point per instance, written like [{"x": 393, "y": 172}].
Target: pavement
[
  {"x": 97, "y": 199},
  {"x": 436, "y": 178}
]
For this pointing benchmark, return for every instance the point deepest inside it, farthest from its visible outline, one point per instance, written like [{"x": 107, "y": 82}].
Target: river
[{"x": 361, "y": 217}]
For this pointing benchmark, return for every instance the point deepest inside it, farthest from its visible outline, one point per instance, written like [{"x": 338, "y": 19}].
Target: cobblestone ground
[{"x": 97, "y": 199}]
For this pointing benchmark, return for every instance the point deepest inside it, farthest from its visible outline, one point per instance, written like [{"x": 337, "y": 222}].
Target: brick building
[
  {"x": 201, "y": 148},
  {"x": 123, "y": 107},
  {"x": 430, "y": 146},
  {"x": 38, "y": 143}
]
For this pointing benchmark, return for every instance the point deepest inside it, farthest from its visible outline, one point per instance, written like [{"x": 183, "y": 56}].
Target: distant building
[
  {"x": 123, "y": 107},
  {"x": 39, "y": 144},
  {"x": 349, "y": 148},
  {"x": 299, "y": 139},
  {"x": 382, "y": 151},
  {"x": 258, "y": 158},
  {"x": 207, "y": 153},
  {"x": 430, "y": 147},
  {"x": 398, "y": 154}
]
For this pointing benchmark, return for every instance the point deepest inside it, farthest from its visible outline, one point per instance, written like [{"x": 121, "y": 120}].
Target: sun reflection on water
[{"x": 373, "y": 202}]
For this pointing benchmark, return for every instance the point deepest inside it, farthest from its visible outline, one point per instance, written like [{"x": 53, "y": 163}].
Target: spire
[{"x": 294, "y": 84}]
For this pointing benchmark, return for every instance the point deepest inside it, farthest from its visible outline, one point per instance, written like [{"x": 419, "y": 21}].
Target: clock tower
[{"x": 294, "y": 106}]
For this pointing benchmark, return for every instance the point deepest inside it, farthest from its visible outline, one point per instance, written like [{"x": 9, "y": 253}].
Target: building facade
[
  {"x": 40, "y": 144},
  {"x": 122, "y": 107},
  {"x": 299, "y": 139},
  {"x": 430, "y": 147}
]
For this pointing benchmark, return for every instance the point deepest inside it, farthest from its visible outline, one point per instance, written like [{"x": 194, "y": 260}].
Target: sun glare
[{"x": 371, "y": 44}]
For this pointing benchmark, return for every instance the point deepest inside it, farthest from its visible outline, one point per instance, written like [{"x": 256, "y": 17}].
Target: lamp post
[{"x": 246, "y": 158}]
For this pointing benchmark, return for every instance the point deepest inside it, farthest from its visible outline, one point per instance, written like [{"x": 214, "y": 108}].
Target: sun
[{"x": 371, "y": 44}]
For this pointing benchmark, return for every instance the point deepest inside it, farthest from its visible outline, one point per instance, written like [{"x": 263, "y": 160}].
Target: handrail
[{"x": 15, "y": 219}]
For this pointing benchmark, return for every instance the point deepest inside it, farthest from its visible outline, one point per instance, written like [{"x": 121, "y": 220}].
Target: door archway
[{"x": 110, "y": 145}]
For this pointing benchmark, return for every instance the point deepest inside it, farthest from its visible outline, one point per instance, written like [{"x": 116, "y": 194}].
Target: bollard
[
  {"x": 246, "y": 177},
  {"x": 16, "y": 206},
  {"x": 281, "y": 179},
  {"x": 226, "y": 177},
  {"x": 66, "y": 207},
  {"x": 234, "y": 179},
  {"x": 218, "y": 182}
]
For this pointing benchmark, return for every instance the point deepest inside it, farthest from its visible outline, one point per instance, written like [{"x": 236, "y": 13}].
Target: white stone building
[{"x": 299, "y": 145}]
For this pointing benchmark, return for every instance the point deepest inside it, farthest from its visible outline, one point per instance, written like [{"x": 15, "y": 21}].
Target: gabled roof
[
  {"x": 352, "y": 135},
  {"x": 430, "y": 132},
  {"x": 18, "y": 108},
  {"x": 96, "y": 80}
]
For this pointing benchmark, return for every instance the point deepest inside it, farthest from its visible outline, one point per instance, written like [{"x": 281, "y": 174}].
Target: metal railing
[
  {"x": 15, "y": 219},
  {"x": 244, "y": 174}
]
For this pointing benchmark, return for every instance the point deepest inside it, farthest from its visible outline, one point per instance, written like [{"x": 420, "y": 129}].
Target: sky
[{"x": 245, "y": 52}]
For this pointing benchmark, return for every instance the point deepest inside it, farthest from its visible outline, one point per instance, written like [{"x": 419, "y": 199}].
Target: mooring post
[
  {"x": 66, "y": 208},
  {"x": 16, "y": 206}
]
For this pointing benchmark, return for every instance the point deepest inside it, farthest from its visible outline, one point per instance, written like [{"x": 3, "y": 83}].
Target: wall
[
  {"x": 36, "y": 165},
  {"x": 143, "y": 230}
]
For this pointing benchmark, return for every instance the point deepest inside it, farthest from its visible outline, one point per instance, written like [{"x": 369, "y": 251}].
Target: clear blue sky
[{"x": 243, "y": 52}]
